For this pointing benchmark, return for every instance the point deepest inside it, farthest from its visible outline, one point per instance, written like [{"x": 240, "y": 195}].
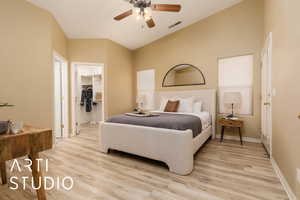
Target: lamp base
[
  {"x": 139, "y": 111},
  {"x": 230, "y": 116}
]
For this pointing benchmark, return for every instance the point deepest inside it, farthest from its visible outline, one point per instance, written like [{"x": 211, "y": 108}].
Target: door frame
[
  {"x": 268, "y": 47},
  {"x": 74, "y": 68},
  {"x": 65, "y": 94}
]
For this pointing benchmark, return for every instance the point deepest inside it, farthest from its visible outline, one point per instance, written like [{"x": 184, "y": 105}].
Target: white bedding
[{"x": 205, "y": 117}]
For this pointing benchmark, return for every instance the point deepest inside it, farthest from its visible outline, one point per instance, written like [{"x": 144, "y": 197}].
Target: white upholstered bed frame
[{"x": 175, "y": 148}]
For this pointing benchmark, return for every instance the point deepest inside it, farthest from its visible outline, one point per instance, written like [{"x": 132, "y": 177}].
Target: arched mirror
[{"x": 183, "y": 75}]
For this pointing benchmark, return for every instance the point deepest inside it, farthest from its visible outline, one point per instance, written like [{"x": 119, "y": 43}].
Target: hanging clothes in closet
[{"x": 87, "y": 98}]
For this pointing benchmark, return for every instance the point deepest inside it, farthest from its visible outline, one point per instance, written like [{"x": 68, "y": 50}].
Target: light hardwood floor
[{"x": 222, "y": 171}]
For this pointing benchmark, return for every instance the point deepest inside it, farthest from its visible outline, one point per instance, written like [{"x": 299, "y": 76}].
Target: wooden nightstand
[{"x": 227, "y": 123}]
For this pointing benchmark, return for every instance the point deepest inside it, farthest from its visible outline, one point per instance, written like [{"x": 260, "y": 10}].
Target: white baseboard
[
  {"x": 283, "y": 181},
  {"x": 245, "y": 139}
]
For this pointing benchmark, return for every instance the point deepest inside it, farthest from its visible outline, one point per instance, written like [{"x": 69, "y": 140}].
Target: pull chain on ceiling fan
[{"x": 143, "y": 9}]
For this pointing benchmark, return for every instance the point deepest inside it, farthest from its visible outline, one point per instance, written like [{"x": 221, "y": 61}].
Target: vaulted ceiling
[{"x": 94, "y": 18}]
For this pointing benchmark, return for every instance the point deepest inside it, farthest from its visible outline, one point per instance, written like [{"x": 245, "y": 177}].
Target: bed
[{"x": 177, "y": 147}]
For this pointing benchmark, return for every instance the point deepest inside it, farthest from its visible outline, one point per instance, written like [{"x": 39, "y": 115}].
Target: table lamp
[
  {"x": 233, "y": 99},
  {"x": 141, "y": 100}
]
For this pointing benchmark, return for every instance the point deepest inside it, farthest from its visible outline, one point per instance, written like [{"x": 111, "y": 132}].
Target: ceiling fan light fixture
[
  {"x": 147, "y": 17},
  {"x": 137, "y": 10},
  {"x": 147, "y": 10},
  {"x": 143, "y": 10}
]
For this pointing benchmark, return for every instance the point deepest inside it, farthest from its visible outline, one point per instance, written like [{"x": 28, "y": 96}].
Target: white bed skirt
[{"x": 175, "y": 148}]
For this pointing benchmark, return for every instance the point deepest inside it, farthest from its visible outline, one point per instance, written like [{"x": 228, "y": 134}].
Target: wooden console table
[{"x": 27, "y": 143}]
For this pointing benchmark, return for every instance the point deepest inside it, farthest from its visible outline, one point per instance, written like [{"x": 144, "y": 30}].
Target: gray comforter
[{"x": 164, "y": 120}]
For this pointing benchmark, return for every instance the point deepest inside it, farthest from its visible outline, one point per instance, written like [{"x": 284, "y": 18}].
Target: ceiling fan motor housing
[{"x": 142, "y": 4}]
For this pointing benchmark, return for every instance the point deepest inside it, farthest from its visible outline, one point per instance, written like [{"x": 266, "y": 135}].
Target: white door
[
  {"x": 267, "y": 94},
  {"x": 78, "y": 106},
  {"x": 58, "y": 104}
]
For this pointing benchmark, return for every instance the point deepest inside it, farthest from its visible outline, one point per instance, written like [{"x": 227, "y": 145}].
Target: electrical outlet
[{"x": 298, "y": 175}]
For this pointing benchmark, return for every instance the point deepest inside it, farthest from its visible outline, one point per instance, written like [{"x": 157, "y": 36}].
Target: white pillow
[
  {"x": 186, "y": 105},
  {"x": 163, "y": 103},
  {"x": 197, "y": 107}
]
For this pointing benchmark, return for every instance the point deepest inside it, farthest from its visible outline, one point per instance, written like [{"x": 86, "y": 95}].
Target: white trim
[
  {"x": 268, "y": 47},
  {"x": 283, "y": 181},
  {"x": 73, "y": 91},
  {"x": 270, "y": 75},
  {"x": 65, "y": 88},
  {"x": 236, "y": 138},
  {"x": 58, "y": 56}
]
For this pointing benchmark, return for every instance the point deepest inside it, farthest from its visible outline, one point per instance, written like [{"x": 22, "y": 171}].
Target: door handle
[{"x": 267, "y": 103}]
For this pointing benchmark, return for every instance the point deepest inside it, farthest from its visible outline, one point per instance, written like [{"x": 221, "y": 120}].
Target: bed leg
[
  {"x": 104, "y": 149},
  {"x": 185, "y": 168}
]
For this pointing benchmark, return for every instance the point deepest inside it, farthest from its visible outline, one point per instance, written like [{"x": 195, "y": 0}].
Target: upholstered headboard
[{"x": 207, "y": 96}]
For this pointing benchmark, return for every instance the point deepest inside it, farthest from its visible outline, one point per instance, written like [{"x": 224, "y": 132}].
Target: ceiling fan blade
[
  {"x": 129, "y": 1},
  {"x": 123, "y": 15},
  {"x": 166, "y": 7},
  {"x": 150, "y": 23}
]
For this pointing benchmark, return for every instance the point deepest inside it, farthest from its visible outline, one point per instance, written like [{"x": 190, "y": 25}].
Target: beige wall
[
  {"x": 87, "y": 50},
  {"x": 117, "y": 73},
  {"x": 119, "y": 79},
  {"x": 30, "y": 35},
  {"x": 26, "y": 72},
  {"x": 60, "y": 40},
  {"x": 235, "y": 31},
  {"x": 282, "y": 19}
]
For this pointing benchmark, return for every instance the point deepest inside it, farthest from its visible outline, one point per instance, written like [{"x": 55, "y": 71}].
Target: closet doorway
[
  {"x": 60, "y": 66},
  {"x": 87, "y": 98}
]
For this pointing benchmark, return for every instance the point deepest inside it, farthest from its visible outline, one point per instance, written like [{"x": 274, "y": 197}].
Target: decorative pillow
[
  {"x": 172, "y": 106},
  {"x": 186, "y": 105},
  {"x": 197, "y": 107},
  {"x": 164, "y": 101}
]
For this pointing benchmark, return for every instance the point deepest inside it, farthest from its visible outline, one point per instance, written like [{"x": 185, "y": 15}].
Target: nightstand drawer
[{"x": 231, "y": 123}]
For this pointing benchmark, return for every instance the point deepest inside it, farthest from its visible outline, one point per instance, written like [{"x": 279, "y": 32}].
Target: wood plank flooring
[{"x": 222, "y": 171}]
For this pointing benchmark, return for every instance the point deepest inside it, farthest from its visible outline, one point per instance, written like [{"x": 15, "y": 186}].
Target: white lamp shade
[
  {"x": 232, "y": 98},
  {"x": 141, "y": 99}
]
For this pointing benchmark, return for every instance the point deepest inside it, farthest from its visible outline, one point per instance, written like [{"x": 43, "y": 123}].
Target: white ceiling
[{"x": 94, "y": 18}]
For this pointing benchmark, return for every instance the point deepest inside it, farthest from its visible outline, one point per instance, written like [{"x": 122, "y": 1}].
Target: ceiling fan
[{"x": 143, "y": 9}]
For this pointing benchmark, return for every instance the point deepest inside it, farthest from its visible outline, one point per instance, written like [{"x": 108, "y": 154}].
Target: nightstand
[{"x": 228, "y": 123}]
